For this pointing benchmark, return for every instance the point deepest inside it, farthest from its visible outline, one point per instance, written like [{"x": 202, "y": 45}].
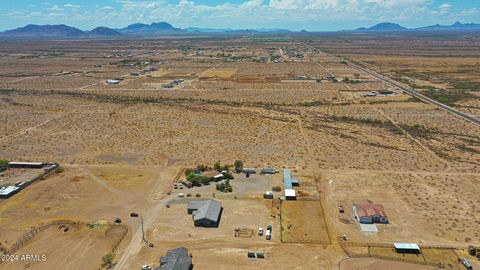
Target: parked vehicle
[
  {"x": 268, "y": 235},
  {"x": 118, "y": 220},
  {"x": 146, "y": 267},
  {"x": 133, "y": 214},
  {"x": 175, "y": 186},
  {"x": 341, "y": 209},
  {"x": 269, "y": 227},
  {"x": 260, "y": 231},
  {"x": 467, "y": 264}
]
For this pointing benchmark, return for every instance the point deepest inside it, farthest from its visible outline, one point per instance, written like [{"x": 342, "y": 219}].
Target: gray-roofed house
[
  {"x": 205, "y": 213},
  {"x": 176, "y": 259}
]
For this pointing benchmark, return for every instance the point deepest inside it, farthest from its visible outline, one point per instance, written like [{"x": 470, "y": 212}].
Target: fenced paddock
[
  {"x": 303, "y": 222},
  {"x": 64, "y": 241},
  {"x": 432, "y": 255}
]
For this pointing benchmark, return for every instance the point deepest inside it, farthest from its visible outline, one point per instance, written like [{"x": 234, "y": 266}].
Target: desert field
[
  {"x": 445, "y": 68},
  {"x": 179, "y": 102}
]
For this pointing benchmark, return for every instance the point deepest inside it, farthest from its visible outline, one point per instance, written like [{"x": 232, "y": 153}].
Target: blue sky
[{"x": 320, "y": 15}]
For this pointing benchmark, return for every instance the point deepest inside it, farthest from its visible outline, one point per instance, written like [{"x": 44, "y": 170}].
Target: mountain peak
[
  {"x": 142, "y": 28},
  {"x": 385, "y": 26},
  {"x": 59, "y": 30},
  {"x": 103, "y": 31}
]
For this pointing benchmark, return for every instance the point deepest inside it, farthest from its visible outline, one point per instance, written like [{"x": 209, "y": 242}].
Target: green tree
[
  {"x": 217, "y": 166},
  {"x": 107, "y": 260},
  {"x": 228, "y": 176},
  {"x": 3, "y": 164},
  {"x": 204, "y": 180},
  {"x": 238, "y": 165},
  {"x": 202, "y": 167}
]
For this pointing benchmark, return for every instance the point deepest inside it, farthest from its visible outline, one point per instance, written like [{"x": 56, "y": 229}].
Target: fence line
[
  {"x": 24, "y": 239},
  {"x": 390, "y": 245},
  {"x": 369, "y": 255}
]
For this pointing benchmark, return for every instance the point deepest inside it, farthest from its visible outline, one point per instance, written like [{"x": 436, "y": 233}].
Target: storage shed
[
  {"x": 28, "y": 165},
  {"x": 407, "y": 248},
  {"x": 290, "y": 194}
]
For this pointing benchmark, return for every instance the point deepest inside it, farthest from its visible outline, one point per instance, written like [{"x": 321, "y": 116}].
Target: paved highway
[
  {"x": 406, "y": 89},
  {"x": 410, "y": 91}
]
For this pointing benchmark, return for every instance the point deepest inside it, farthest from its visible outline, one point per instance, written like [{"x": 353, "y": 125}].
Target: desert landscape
[{"x": 127, "y": 120}]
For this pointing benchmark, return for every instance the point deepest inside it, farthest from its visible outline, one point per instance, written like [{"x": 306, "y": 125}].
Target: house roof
[
  {"x": 176, "y": 259},
  {"x": 369, "y": 209},
  {"x": 212, "y": 174},
  {"x": 8, "y": 190},
  {"x": 206, "y": 209},
  {"x": 13, "y": 163},
  {"x": 287, "y": 179},
  {"x": 196, "y": 203},
  {"x": 289, "y": 192}
]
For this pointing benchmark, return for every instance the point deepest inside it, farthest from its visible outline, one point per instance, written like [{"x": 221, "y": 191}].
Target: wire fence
[
  {"x": 368, "y": 254},
  {"x": 28, "y": 236}
]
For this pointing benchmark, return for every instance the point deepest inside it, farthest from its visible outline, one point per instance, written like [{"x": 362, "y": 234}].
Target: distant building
[
  {"x": 113, "y": 81},
  {"x": 290, "y": 194},
  {"x": 8, "y": 191},
  {"x": 288, "y": 184},
  {"x": 268, "y": 170},
  {"x": 27, "y": 165},
  {"x": 249, "y": 170},
  {"x": 205, "y": 213},
  {"x": 214, "y": 175},
  {"x": 385, "y": 92},
  {"x": 406, "y": 248},
  {"x": 176, "y": 259},
  {"x": 368, "y": 213}
]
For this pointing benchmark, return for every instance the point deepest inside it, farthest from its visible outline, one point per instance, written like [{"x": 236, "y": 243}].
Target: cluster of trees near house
[
  {"x": 3, "y": 164},
  {"x": 195, "y": 176},
  {"x": 225, "y": 187}
]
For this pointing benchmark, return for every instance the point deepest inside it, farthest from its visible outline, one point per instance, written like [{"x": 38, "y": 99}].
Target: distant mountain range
[
  {"x": 65, "y": 31},
  {"x": 164, "y": 28},
  {"x": 393, "y": 27}
]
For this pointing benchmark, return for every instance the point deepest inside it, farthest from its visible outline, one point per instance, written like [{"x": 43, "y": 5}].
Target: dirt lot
[
  {"x": 66, "y": 250},
  {"x": 83, "y": 194},
  {"x": 408, "y": 209},
  {"x": 13, "y": 175},
  {"x": 122, "y": 145},
  {"x": 303, "y": 222}
]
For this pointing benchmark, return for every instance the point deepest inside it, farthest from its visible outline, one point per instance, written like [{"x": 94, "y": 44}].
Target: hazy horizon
[{"x": 311, "y": 15}]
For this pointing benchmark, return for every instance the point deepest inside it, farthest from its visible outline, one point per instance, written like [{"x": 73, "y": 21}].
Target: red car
[{"x": 133, "y": 214}]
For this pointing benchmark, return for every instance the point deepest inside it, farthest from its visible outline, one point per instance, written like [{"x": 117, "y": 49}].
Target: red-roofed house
[{"x": 369, "y": 212}]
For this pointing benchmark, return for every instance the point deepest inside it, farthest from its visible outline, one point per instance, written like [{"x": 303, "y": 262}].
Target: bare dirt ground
[
  {"x": 122, "y": 145},
  {"x": 85, "y": 249}
]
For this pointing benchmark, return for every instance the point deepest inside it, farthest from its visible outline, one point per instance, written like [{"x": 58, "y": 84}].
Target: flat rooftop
[{"x": 406, "y": 246}]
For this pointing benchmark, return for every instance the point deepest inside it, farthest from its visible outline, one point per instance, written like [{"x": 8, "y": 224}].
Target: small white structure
[
  {"x": 407, "y": 248},
  {"x": 290, "y": 194},
  {"x": 6, "y": 192},
  {"x": 113, "y": 81},
  {"x": 18, "y": 164},
  {"x": 268, "y": 195}
]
